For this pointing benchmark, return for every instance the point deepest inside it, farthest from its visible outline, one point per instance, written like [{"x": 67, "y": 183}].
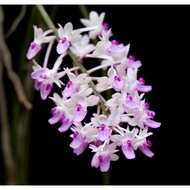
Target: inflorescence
[{"x": 120, "y": 121}]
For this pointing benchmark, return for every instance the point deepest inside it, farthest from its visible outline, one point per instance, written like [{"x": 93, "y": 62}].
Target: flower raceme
[{"x": 119, "y": 122}]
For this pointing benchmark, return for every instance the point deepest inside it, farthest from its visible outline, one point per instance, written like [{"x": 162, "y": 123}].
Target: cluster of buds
[{"x": 120, "y": 122}]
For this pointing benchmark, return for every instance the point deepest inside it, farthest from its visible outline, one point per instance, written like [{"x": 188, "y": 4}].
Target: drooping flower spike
[{"x": 103, "y": 124}]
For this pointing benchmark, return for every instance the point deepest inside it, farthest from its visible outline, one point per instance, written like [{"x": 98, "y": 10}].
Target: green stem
[
  {"x": 84, "y": 11},
  {"x": 45, "y": 16}
]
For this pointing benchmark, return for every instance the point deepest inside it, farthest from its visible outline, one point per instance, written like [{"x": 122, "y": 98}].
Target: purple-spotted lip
[
  {"x": 33, "y": 45},
  {"x": 100, "y": 158},
  {"x": 129, "y": 143},
  {"x": 78, "y": 107},
  {"x": 69, "y": 84},
  {"x": 114, "y": 42},
  {"x": 141, "y": 80},
  {"x": 102, "y": 127},
  {"x": 75, "y": 134},
  {"x": 117, "y": 78},
  {"x": 63, "y": 40},
  {"x": 48, "y": 87},
  {"x": 131, "y": 57},
  {"x": 53, "y": 110}
]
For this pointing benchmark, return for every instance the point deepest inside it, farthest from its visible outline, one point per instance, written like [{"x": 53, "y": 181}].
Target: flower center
[
  {"x": 79, "y": 107},
  {"x": 117, "y": 78},
  {"x": 141, "y": 80},
  {"x": 69, "y": 84},
  {"x": 63, "y": 40},
  {"x": 102, "y": 127},
  {"x": 53, "y": 111},
  {"x": 114, "y": 42},
  {"x": 129, "y": 97},
  {"x": 43, "y": 76},
  {"x": 131, "y": 57},
  {"x": 100, "y": 158},
  {"x": 129, "y": 143},
  {"x": 147, "y": 105},
  {"x": 33, "y": 45},
  {"x": 75, "y": 134}
]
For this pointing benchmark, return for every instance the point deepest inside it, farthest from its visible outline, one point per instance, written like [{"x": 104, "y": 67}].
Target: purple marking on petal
[
  {"x": 131, "y": 57},
  {"x": 69, "y": 84},
  {"x": 102, "y": 126},
  {"x": 105, "y": 25},
  {"x": 147, "y": 105},
  {"x": 33, "y": 45},
  {"x": 149, "y": 143},
  {"x": 43, "y": 76},
  {"x": 117, "y": 78},
  {"x": 129, "y": 143},
  {"x": 141, "y": 80},
  {"x": 63, "y": 40},
  {"x": 78, "y": 107},
  {"x": 53, "y": 111},
  {"x": 121, "y": 124},
  {"x": 114, "y": 42},
  {"x": 48, "y": 87},
  {"x": 100, "y": 158},
  {"x": 33, "y": 50},
  {"x": 129, "y": 97},
  {"x": 75, "y": 134},
  {"x": 151, "y": 114},
  {"x": 62, "y": 118}
]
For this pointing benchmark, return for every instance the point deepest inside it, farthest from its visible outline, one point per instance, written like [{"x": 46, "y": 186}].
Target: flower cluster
[{"x": 121, "y": 121}]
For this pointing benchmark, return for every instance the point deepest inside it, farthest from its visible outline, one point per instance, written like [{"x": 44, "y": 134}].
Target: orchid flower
[{"x": 39, "y": 38}]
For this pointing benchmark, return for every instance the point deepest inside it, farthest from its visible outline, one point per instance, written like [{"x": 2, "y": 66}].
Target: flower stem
[
  {"x": 83, "y": 10},
  {"x": 45, "y": 16}
]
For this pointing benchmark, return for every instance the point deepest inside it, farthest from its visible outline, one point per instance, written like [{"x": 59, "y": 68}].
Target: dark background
[{"x": 159, "y": 37}]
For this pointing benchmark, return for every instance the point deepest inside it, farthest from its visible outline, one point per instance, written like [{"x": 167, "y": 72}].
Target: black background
[{"x": 159, "y": 37}]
